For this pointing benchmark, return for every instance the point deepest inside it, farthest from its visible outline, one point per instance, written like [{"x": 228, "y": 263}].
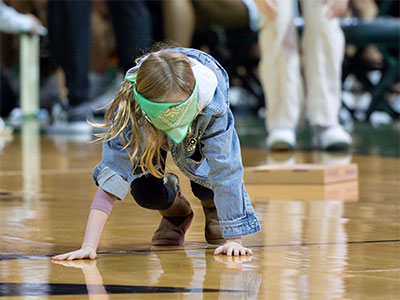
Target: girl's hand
[
  {"x": 233, "y": 247},
  {"x": 84, "y": 252}
]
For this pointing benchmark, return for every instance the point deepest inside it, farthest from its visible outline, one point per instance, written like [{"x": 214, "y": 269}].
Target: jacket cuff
[
  {"x": 112, "y": 183},
  {"x": 241, "y": 227}
]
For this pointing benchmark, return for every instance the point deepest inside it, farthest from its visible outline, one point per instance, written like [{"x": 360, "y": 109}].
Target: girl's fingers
[
  {"x": 233, "y": 250},
  {"x": 218, "y": 250},
  {"x": 61, "y": 256},
  {"x": 78, "y": 255},
  {"x": 75, "y": 255},
  {"x": 72, "y": 257}
]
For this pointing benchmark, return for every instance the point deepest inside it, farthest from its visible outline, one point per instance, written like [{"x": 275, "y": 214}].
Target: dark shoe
[
  {"x": 212, "y": 230},
  {"x": 176, "y": 219}
]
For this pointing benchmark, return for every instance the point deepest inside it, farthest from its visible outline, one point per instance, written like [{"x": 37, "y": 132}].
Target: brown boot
[
  {"x": 176, "y": 219},
  {"x": 212, "y": 230}
]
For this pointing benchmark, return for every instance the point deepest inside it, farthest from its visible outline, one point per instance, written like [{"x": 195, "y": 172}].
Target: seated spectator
[{"x": 200, "y": 15}]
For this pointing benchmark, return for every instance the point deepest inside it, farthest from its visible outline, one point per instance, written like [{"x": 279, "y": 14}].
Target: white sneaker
[
  {"x": 333, "y": 138},
  {"x": 281, "y": 139}
]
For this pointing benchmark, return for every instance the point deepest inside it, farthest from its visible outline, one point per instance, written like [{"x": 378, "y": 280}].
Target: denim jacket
[{"x": 209, "y": 155}]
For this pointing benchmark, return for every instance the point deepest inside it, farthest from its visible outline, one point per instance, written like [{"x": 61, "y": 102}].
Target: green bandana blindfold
[{"x": 174, "y": 119}]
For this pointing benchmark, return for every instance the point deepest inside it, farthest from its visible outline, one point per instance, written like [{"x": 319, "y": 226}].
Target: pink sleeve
[{"x": 102, "y": 201}]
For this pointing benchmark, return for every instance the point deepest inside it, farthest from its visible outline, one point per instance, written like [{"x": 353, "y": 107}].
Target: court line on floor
[
  {"x": 58, "y": 289},
  {"x": 207, "y": 246}
]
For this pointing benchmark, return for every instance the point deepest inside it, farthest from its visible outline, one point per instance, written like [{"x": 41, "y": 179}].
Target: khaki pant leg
[
  {"x": 323, "y": 50},
  {"x": 280, "y": 68}
]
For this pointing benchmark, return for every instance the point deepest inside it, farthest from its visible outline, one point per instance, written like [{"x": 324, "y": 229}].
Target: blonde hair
[{"x": 160, "y": 75}]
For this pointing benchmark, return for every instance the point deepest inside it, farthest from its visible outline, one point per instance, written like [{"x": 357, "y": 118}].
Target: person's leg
[
  {"x": 164, "y": 195},
  {"x": 151, "y": 192},
  {"x": 212, "y": 230},
  {"x": 69, "y": 34},
  {"x": 216, "y": 12},
  {"x": 179, "y": 20},
  {"x": 365, "y": 9},
  {"x": 371, "y": 57},
  {"x": 132, "y": 29},
  {"x": 7, "y": 97},
  {"x": 280, "y": 70},
  {"x": 103, "y": 40},
  {"x": 323, "y": 48},
  {"x": 204, "y": 194}
]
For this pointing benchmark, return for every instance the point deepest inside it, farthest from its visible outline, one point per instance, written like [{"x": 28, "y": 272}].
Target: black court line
[
  {"x": 53, "y": 289},
  {"x": 141, "y": 251},
  {"x": 330, "y": 243}
]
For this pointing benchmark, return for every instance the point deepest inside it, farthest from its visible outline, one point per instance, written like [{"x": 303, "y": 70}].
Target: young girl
[{"x": 174, "y": 100}]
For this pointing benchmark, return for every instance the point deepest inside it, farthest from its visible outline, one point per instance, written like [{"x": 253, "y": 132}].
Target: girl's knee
[
  {"x": 150, "y": 192},
  {"x": 150, "y": 201}
]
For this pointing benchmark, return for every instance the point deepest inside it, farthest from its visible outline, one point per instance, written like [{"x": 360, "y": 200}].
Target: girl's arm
[
  {"x": 101, "y": 208},
  {"x": 233, "y": 247},
  {"x": 94, "y": 228}
]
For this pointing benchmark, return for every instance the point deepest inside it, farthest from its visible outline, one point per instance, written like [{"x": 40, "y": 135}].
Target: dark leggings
[
  {"x": 70, "y": 38},
  {"x": 150, "y": 192}
]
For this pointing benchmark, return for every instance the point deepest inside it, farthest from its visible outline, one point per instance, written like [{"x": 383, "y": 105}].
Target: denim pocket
[{"x": 197, "y": 168}]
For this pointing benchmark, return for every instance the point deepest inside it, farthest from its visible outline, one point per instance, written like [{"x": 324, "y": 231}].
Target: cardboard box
[{"x": 300, "y": 174}]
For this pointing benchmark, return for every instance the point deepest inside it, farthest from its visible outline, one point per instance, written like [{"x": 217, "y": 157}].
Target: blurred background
[
  {"x": 90, "y": 44},
  {"x": 63, "y": 61}
]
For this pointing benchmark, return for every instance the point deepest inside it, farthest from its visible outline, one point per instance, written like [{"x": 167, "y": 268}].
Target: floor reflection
[
  {"x": 317, "y": 157},
  {"x": 197, "y": 272},
  {"x": 31, "y": 154},
  {"x": 301, "y": 268}
]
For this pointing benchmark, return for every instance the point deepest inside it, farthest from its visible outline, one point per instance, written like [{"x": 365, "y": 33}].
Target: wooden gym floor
[{"x": 332, "y": 242}]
